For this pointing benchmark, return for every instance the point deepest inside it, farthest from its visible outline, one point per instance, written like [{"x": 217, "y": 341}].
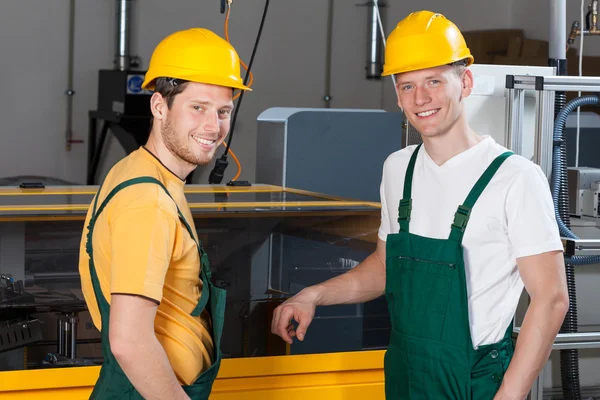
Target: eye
[
  {"x": 224, "y": 113},
  {"x": 406, "y": 88},
  {"x": 434, "y": 82},
  {"x": 198, "y": 108}
]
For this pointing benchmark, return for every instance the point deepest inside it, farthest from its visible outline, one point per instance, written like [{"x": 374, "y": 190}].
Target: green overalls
[
  {"x": 112, "y": 383},
  {"x": 430, "y": 355}
]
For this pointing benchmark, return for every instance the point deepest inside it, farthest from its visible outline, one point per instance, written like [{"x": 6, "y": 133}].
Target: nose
[
  {"x": 421, "y": 96},
  {"x": 211, "y": 122}
]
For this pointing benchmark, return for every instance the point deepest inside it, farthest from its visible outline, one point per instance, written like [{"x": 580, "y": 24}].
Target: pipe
[
  {"x": 327, "y": 96},
  {"x": 374, "y": 43},
  {"x": 122, "y": 59},
  {"x": 558, "y": 173},
  {"x": 558, "y": 29},
  {"x": 70, "y": 92},
  {"x": 41, "y": 278},
  {"x": 569, "y": 359},
  {"x": 593, "y": 30}
]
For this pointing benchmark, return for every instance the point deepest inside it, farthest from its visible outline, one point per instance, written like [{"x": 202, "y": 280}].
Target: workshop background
[
  {"x": 296, "y": 65},
  {"x": 290, "y": 67}
]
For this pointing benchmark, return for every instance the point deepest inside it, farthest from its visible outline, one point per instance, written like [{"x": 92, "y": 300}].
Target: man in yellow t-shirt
[{"x": 144, "y": 275}]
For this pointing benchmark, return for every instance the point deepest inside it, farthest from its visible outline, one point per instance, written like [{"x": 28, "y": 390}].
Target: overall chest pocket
[{"x": 418, "y": 293}]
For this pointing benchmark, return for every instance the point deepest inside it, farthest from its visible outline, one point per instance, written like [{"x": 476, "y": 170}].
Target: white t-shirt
[{"x": 513, "y": 217}]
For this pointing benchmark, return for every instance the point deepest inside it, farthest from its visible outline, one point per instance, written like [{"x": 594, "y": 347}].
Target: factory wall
[{"x": 289, "y": 70}]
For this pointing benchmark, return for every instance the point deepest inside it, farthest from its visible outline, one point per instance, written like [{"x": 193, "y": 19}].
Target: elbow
[
  {"x": 561, "y": 303},
  {"x": 553, "y": 304},
  {"x": 122, "y": 348}
]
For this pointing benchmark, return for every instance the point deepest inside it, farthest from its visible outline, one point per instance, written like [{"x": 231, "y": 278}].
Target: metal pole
[
  {"x": 375, "y": 41},
  {"x": 70, "y": 92},
  {"x": 73, "y": 342},
  {"x": 558, "y": 30},
  {"x": 122, "y": 35},
  {"x": 327, "y": 97},
  {"x": 60, "y": 337},
  {"x": 539, "y": 127}
]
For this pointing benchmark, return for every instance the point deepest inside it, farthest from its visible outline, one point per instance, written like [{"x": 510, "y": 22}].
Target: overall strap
[
  {"x": 461, "y": 217},
  {"x": 405, "y": 207},
  {"x": 205, "y": 270}
]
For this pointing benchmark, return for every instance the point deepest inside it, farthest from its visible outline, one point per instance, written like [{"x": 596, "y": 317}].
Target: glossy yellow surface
[
  {"x": 334, "y": 376},
  {"x": 73, "y": 201}
]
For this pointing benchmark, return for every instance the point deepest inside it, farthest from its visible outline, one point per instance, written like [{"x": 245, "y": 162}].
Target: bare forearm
[
  {"x": 146, "y": 365},
  {"x": 364, "y": 282},
  {"x": 534, "y": 344}
]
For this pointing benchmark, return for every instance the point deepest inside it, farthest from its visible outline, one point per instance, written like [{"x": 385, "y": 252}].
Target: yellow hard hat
[
  {"x": 196, "y": 55},
  {"x": 424, "y": 40}
]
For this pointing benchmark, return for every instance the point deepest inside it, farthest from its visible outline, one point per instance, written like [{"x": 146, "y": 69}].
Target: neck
[
  {"x": 459, "y": 138},
  {"x": 175, "y": 164}
]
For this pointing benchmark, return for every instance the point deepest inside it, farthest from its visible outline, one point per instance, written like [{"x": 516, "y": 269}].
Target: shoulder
[
  {"x": 516, "y": 166},
  {"x": 397, "y": 162},
  {"x": 138, "y": 196},
  {"x": 520, "y": 182}
]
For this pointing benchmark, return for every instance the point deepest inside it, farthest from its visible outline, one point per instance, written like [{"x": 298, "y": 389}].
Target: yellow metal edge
[
  {"x": 316, "y": 194},
  {"x": 91, "y": 190},
  {"x": 231, "y": 368},
  {"x": 300, "y": 364},
  {"x": 245, "y": 204}
]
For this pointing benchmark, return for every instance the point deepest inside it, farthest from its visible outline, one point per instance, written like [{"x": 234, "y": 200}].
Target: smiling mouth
[
  {"x": 428, "y": 113},
  {"x": 206, "y": 142}
]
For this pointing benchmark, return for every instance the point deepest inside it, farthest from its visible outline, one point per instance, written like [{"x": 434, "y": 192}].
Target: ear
[
  {"x": 158, "y": 106},
  {"x": 399, "y": 100},
  {"x": 467, "y": 82}
]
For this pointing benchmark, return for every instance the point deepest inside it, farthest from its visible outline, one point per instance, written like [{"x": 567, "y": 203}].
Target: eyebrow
[
  {"x": 205, "y": 102},
  {"x": 437, "y": 76}
]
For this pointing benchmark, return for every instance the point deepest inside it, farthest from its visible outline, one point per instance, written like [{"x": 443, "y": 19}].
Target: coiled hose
[{"x": 569, "y": 359}]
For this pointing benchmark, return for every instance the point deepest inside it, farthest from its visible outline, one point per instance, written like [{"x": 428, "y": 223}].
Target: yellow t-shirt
[{"x": 142, "y": 248}]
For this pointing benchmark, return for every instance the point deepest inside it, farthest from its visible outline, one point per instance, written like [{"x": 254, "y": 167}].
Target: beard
[{"x": 175, "y": 144}]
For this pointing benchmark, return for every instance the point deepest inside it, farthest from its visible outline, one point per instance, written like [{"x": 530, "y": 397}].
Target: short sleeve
[
  {"x": 142, "y": 242},
  {"x": 384, "y": 227},
  {"x": 531, "y": 223}
]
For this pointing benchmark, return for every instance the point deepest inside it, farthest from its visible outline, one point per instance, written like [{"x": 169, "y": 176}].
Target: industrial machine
[
  {"x": 335, "y": 151},
  {"x": 123, "y": 106},
  {"x": 244, "y": 230},
  {"x": 584, "y": 183}
]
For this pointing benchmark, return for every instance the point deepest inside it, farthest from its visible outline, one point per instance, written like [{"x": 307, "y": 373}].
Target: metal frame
[
  {"x": 544, "y": 122},
  {"x": 545, "y": 86}
]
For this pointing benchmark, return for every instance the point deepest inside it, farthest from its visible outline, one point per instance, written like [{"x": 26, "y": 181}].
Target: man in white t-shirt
[{"x": 465, "y": 225}]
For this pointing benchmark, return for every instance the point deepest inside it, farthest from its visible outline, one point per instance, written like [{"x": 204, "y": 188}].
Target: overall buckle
[
  {"x": 404, "y": 210},
  {"x": 461, "y": 217}
]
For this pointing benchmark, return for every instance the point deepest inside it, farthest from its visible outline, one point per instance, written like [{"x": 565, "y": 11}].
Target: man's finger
[
  {"x": 284, "y": 320},
  {"x": 303, "y": 323},
  {"x": 275, "y": 320}
]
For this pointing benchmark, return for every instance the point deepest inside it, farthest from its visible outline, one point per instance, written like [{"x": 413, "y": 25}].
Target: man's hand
[
  {"x": 363, "y": 283},
  {"x": 300, "y": 308}
]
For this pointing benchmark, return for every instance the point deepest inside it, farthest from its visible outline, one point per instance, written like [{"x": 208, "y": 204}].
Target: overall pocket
[{"x": 418, "y": 293}]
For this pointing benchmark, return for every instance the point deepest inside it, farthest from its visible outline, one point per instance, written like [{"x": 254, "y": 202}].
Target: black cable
[{"x": 216, "y": 175}]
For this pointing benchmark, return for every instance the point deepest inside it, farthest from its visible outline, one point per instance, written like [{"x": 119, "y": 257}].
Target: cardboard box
[
  {"x": 514, "y": 46},
  {"x": 535, "y": 48},
  {"x": 486, "y": 44},
  {"x": 521, "y": 60}
]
